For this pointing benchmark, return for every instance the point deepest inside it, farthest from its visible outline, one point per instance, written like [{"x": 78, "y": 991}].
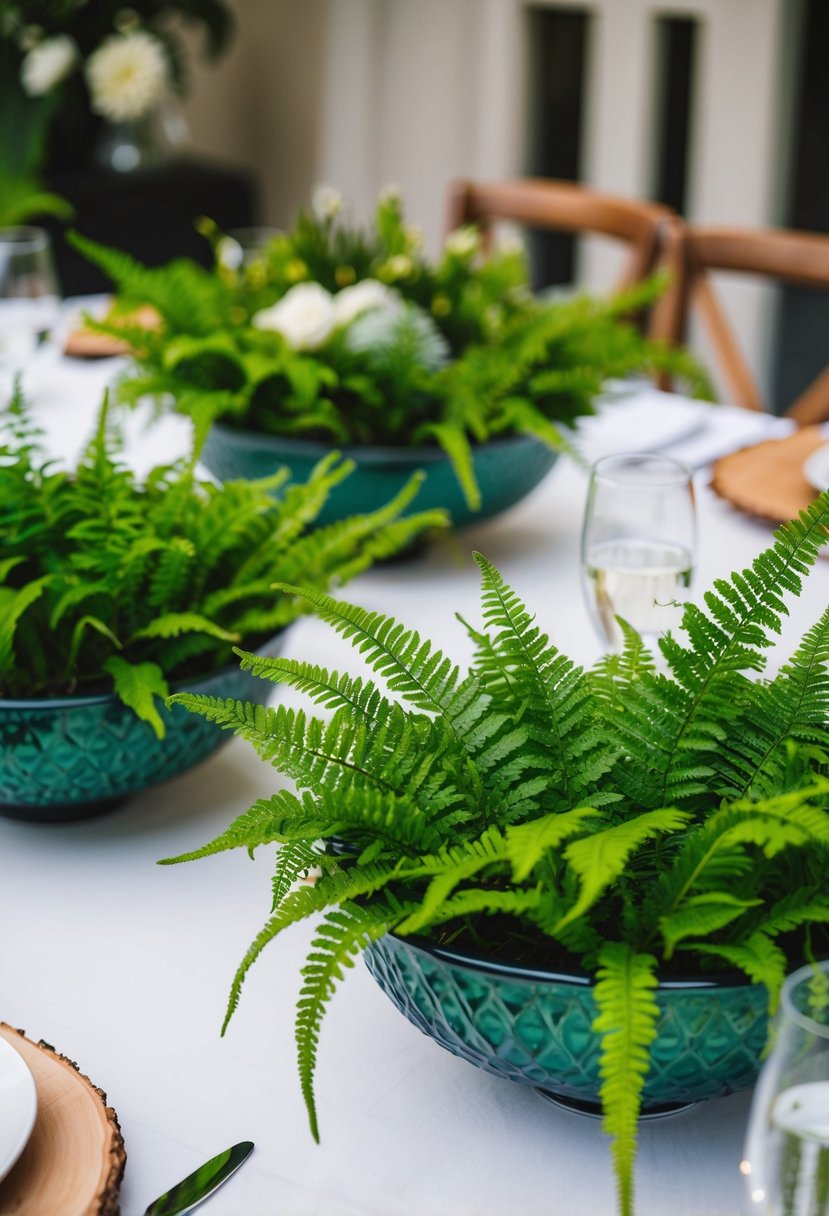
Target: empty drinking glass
[
  {"x": 786, "y": 1157},
  {"x": 637, "y": 548},
  {"x": 29, "y": 298}
]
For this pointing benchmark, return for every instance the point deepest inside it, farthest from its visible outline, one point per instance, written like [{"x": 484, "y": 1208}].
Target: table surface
[{"x": 125, "y": 966}]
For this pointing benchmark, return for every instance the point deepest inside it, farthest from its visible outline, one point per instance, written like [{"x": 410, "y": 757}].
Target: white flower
[
  {"x": 463, "y": 242},
  {"x": 326, "y": 202},
  {"x": 390, "y": 193},
  {"x": 304, "y": 316},
  {"x": 47, "y": 64},
  {"x": 363, "y": 296},
  {"x": 127, "y": 76},
  {"x": 399, "y": 266}
]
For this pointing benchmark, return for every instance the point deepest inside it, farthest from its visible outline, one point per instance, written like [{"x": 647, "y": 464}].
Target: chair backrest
[
  {"x": 563, "y": 207},
  {"x": 691, "y": 253}
]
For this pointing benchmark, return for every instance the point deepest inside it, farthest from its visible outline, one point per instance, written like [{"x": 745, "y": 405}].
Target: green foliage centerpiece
[
  {"x": 336, "y": 335},
  {"x": 620, "y": 821},
  {"x": 109, "y": 584}
]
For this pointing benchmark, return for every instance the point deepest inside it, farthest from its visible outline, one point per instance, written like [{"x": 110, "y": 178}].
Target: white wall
[{"x": 260, "y": 106}]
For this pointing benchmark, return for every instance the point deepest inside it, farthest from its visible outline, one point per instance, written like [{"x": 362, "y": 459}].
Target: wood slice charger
[
  {"x": 74, "y": 1161},
  {"x": 767, "y": 480}
]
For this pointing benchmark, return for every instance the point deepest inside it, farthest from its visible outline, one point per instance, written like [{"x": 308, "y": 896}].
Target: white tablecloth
[{"x": 124, "y": 965}]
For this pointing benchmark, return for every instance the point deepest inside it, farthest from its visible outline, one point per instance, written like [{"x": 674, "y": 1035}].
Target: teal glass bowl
[
  {"x": 534, "y": 1026},
  {"x": 70, "y": 758},
  {"x": 505, "y": 469}
]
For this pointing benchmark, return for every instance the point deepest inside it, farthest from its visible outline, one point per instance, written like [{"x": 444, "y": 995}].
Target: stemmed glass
[
  {"x": 786, "y": 1156},
  {"x": 637, "y": 545},
  {"x": 29, "y": 298}
]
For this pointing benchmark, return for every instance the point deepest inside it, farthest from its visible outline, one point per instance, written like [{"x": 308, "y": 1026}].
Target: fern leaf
[
  {"x": 759, "y": 958},
  {"x": 683, "y": 715},
  {"x": 626, "y": 1022},
  {"x": 456, "y": 446},
  {"x": 172, "y": 624},
  {"x": 12, "y": 606},
  {"x": 528, "y": 843},
  {"x": 701, "y": 915},
  {"x": 262, "y": 824},
  {"x": 454, "y": 868},
  {"x": 137, "y": 685},
  {"x": 424, "y": 676},
  {"x": 803, "y": 906},
  {"x": 474, "y": 901},
  {"x": 599, "y": 859},
  {"x": 331, "y": 689},
  {"x": 341, "y": 936},
  {"x": 294, "y": 861},
  {"x": 554, "y": 692}
]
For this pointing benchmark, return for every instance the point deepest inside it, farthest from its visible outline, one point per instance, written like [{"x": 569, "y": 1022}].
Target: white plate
[
  {"x": 18, "y": 1105},
  {"x": 816, "y": 468}
]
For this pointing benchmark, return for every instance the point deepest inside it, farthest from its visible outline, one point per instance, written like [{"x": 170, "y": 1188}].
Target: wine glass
[
  {"x": 786, "y": 1156},
  {"x": 637, "y": 545},
  {"x": 29, "y": 299}
]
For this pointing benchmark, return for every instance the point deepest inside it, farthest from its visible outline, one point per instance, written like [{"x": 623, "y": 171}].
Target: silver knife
[{"x": 201, "y": 1184}]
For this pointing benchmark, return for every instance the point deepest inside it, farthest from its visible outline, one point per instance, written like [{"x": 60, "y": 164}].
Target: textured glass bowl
[
  {"x": 535, "y": 1027},
  {"x": 73, "y": 757},
  {"x": 506, "y": 470}
]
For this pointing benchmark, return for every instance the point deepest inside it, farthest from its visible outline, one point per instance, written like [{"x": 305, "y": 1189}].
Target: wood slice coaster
[
  {"x": 89, "y": 344},
  {"x": 86, "y": 344},
  {"x": 768, "y": 479},
  {"x": 75, "y": 1158}
]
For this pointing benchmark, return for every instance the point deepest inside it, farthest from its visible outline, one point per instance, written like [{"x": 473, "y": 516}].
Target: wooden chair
[
  {"x": 563, "y": 207},
  {"x": 691, "y": 253}
]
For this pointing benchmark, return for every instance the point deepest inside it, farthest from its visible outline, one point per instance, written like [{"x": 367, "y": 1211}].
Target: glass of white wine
[
  {"x": 637, "y": 545},
  {"x": 786, "y": 1156}
]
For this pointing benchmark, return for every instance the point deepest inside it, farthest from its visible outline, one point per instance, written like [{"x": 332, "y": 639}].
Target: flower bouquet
[
  {"x": 335, "y": 335},
  {"x": 67, "y": 66}
]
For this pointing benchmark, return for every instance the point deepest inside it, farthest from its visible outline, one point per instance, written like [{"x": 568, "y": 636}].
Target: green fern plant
[
  {"x": 623, "y": 820},
  {"x": 111, "y": 584},
  {"x": 468, "y": 356}
]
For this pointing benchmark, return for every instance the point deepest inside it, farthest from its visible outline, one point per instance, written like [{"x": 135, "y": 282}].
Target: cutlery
[{"x": 200, "y": 1185}]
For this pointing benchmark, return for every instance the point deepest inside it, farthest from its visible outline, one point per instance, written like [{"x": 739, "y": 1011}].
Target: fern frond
[
  {"x": 341, "y": 936},
  {"x": 454, "y": 866},
  {"x": 138, "y": 685},
  {"x": 701, "y": 915},
  {"x": 759, "y": 958},
  {"x": 599, "y": 859},
  {"x": 626, "y": 1022},
  {"x": 334, "y": 690},
  {"x": 172, "y": 624},
  {"x": 528, "y": 843},
  {"x": 263, "y": 824},
  {"x": 294, "y": 861},
  {"x": 411, "y": 667},
  {"x": 684, "y": 717},
  {"x": 554, "y": 692}
]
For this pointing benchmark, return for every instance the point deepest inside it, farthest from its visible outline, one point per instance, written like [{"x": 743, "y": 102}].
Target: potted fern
[
  {"x": 114, "y": 591},
  {"x": 548, "y": 867},
  {"x": 335, "y": 335}
]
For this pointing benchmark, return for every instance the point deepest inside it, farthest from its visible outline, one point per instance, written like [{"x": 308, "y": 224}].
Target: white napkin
[{"x": 695, "y": 432}]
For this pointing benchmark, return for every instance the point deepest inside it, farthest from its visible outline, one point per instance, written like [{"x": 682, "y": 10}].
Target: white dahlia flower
[
  {"x": 326, "y": 202},
  {"x": 47, "y": 64},
  {"x": 304, "y": 316},
  {"x": 362, "y": 297},
  {"x": 127, "y": 76}
]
